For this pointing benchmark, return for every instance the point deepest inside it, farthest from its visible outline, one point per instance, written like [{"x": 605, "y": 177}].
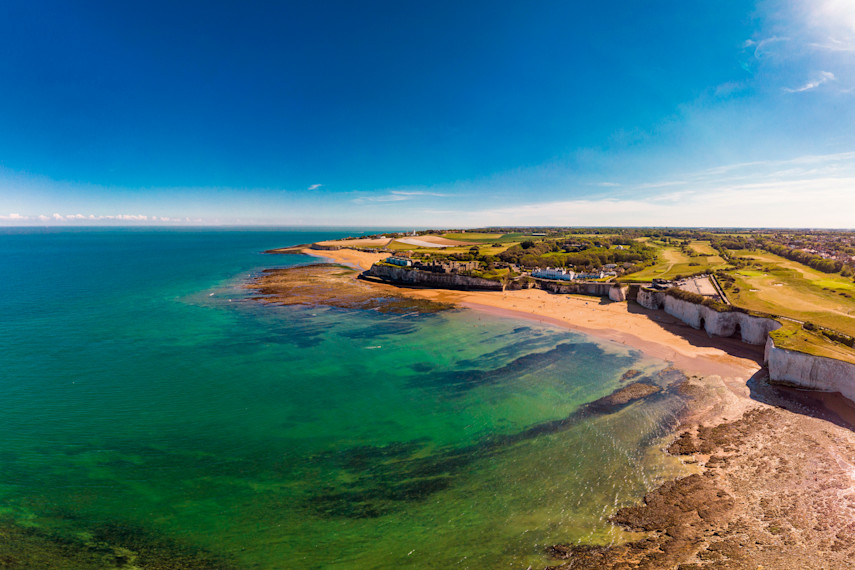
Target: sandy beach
[
  {"x": 776, "y": 481},
  {"x": 654, "y": 333}
]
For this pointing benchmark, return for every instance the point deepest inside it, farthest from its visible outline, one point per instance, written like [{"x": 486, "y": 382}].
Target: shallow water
[{"x": 145, "y": 395}]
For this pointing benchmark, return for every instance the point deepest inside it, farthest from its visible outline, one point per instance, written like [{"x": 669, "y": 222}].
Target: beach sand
[
  {"x": 776, "y": 481},
  {"x": 653, "y": 332}
]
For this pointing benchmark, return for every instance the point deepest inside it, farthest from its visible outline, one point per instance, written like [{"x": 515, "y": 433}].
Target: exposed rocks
[
  {"x": 333, "y": 286},
  {"x": 775, "y": 492},
  {"x": 630, "y": 374},
  {"x": 634, "y": 391}
]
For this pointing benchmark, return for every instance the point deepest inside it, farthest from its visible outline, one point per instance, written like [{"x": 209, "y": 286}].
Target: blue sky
[{"x": 428, "y": 113}]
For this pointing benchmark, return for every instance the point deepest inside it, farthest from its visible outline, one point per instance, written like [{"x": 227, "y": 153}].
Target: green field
[
  {"x": 783, "y": 287},
  {"x": 483, "y": 248},
  {"x": 793, "y": 336},
  {"x": 673, "y": 262},
  {"x": 703, "y": 248},
  {"x": 479, "y": 238}
]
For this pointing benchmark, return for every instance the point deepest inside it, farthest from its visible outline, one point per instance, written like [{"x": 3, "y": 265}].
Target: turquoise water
[{"x": 147, "y": 401}]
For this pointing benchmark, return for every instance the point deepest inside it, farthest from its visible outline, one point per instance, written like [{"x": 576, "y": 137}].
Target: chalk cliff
[
  {"x": 430, "y": 279},
  {"x": 618, "y": 292},
  {"x": 752, "y": 329},
  {"x": 809, "y": 371},
  {"x": 611, "y": 290}
]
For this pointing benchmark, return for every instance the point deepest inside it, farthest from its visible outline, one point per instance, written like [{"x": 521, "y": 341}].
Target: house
[
  {"x": 549, "y": 273},
  {"x": 592, "y": 275},
  {"x": 436, "y": 266},
  {"x": 399, "y": 261}
]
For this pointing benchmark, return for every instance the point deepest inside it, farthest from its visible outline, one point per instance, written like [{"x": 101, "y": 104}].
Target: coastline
[
  {"x": 657, "y": 335},
  {"x": 775, "y": 466}
]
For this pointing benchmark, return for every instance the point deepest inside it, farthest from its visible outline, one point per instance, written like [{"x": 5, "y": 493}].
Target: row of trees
[
  {"x": 809, "y": 259},
  {"x": 571, "y": 255}
]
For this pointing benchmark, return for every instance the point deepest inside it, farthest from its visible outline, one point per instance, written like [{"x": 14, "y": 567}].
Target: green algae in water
[{"x": 227, "y": 434}]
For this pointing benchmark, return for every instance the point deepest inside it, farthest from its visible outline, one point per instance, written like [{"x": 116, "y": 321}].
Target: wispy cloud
[
  {"x": 760, "y": 48},
  {"x": 57, "y": 218},
  {"x": 821, "y": 78},
  {"x": 314, "y": 186},
  {"x": 398, "y": 196},
  {"x": 809, "y": 190},
  {"x": 796, "y": 203},
  {"x": 797, "y": 38}
]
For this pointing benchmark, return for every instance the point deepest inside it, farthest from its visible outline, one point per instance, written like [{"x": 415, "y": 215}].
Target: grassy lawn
[
  {"x": 703, "y": 248},
  {"x": 822, "y": 279},
  {"x": 793, "y": 336},
  {"x": 790, "y": 289},
  {"x": 479, "y": 238},
  {"x": 484, "y": 249},
  {"x": 673, "y": 262}
]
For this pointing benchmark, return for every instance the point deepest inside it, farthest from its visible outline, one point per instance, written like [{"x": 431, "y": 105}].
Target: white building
[{"x": 549, "y": 273}]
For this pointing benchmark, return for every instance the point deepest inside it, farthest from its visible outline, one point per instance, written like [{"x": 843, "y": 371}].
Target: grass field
[
  {"x": 673, "y": 262},
  {"x": 479, "y": 238},
  {"x": 790, "y": 289},
  {"x": 703, "y": 248},
  {"x": 483, "y": 248},
  {"x": 793, "y": 336}
]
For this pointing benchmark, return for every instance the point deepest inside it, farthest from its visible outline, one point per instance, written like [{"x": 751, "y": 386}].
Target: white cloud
[
  {"x": 803, "y": 191},
  {"x": 79, "y": 218},
  {"x": 397, "y": 196},
  {"x": 761, "y": 47},
  {"x": 315, "y": 186},
  {"x": 819, "y": 203},
  {"x": 821, "y": 77}
]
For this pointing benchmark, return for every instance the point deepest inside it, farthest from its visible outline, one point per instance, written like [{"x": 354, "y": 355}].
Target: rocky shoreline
[
  {"x": 775, "y": 491},
  {"x": 331, "y": 285}
]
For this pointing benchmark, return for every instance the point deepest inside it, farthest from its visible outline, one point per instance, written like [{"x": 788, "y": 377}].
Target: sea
[{"x": 154, "y": 414}]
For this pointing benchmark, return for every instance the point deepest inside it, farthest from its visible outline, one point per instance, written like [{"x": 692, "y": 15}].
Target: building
[
  {"x": 549, "y": 273},
  {"x": 444, "y": 266},
  {"x": 400, "y": 261}
]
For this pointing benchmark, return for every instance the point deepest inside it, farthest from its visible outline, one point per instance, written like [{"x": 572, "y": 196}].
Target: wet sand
[{"x": 775, "y": 487}]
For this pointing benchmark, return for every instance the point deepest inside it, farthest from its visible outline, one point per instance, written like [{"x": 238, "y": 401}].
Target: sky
[{"x": 428, "y": 114}]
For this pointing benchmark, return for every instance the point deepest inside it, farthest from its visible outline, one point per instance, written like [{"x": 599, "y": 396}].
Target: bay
[{"x": 153, "y": 411}]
